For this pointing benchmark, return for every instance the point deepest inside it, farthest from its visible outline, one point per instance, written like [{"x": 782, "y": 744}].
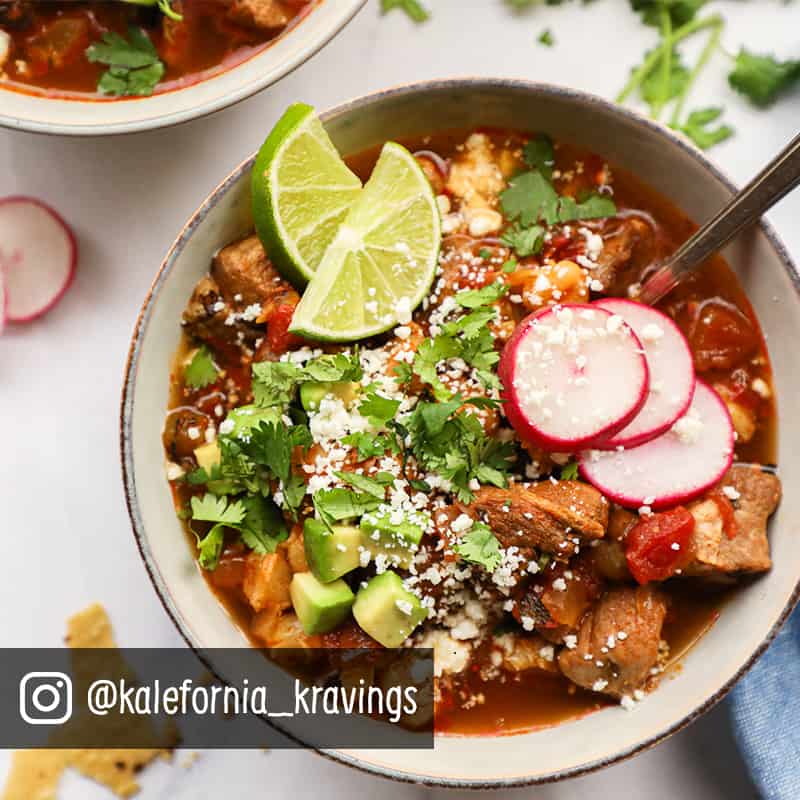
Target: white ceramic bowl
[
  {"x": 96, "y": 116},
  {"x": 666, "y": 163}
]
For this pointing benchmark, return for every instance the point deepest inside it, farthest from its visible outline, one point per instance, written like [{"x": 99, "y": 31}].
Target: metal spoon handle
[{"x": 776, "y": 180}]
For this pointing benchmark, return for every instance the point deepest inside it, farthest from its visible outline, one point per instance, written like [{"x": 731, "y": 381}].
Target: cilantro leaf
[
  {"x": 373, "y": 486},
  {"x": 697, "y": 128},
  {"x": 480, "y": 546},
  {"x": 335, "y": 505},
  {"x": 538, "y": 154},
  {"x": 510, "y": 265},
  {"x": 210, "y": 508},
  {"x": 474, "y": 298},
  {"x": 530, "y": 197},
  {"x": 201, "y": 371},
  {"x": 524, "y": 241},
  {"x": 134, "y": 65},
  {"x": 378, "y": 409},
  {"x": 569, "y": 472},
  {"x": 275, "y": 382},
  {"x": 591, "y": 206},
  {"x": 680, "y": 11},
  {"x": 270, "y": 445},
  {"x": 415, "y": 10},
  {"x": 761, "y": 78},
  {"x": 210, "y": 548},
  {"x": 429, "y": 355},
  {"x": 263, "y": 527},
  {"x": 546, "y": 38},
  {"x": 402, "y": 373},
  {"x": 368, "y": 445},
  {"x": 334, "y": 368}
]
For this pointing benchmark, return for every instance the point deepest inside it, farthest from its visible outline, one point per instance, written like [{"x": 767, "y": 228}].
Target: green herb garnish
[
  {"x": 134, "y": 67},
  {"x": 480, "y": 546},
  {"x": 201, "y": 371}
]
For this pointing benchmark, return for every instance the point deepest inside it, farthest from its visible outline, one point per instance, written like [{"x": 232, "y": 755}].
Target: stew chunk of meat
[
  {"x": 628, "y": 247},
  {"x": 617, "y": 642},
  {"x": 243, "y": 288},
  {"x": 245, "y": 274},
  {"x": 721, "y": 545},
  {"x": 547, "y": 516},
  {"x": 262, "y": 14}
]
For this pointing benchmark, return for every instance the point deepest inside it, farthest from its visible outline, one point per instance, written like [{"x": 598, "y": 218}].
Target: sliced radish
[
  {"x": 3, "y": 300},
  {"x": 672, "y": 375},
  {"x": 38, "y": 254},
  {"x": 571, "y": 375},
  {"x": 677, "y": 466}
]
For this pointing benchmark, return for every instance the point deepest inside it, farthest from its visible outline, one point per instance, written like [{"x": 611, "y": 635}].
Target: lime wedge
[
  {"x": 301, "y": 191},
  {"x": 383, "y": 259}
]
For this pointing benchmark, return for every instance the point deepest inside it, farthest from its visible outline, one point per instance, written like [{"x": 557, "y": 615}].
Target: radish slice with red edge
[
  {"x": 3, "y": 300},
  {"x": 38, "y": 253},
  {"x": 677, "y": 466},
  {"x": 672, "y": 375},
  {"x": 571, "y": 375}
]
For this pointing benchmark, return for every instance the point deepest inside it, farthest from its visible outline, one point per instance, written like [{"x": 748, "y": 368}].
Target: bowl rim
[
  {"x": 203, "y": 109},
  {"x": 361, "y": 102}
]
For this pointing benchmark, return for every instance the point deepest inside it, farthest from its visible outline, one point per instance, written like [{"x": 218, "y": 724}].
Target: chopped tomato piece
[
  {"x": 279, "y": 340},
  {"x": 657, "y": 545}
]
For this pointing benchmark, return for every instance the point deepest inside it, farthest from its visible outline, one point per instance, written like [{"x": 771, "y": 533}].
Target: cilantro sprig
[
  {"x": 532, "y": 203},
  {"x": 134, "y": 67},
  {"x": 257, "y": 519},
  {"x": 275, "y": 383},
  {"x": 480, "y": 546}
]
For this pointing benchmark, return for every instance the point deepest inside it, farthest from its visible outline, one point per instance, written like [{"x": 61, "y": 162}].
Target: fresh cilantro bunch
[
  {"x": 134, "y": 67},
  {"x": 532, "y": 203}
]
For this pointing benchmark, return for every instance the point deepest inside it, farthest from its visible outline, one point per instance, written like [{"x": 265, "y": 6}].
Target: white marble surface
[{"x": 67, "y": 536}]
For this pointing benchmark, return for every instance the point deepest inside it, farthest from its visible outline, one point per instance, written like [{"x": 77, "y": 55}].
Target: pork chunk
[
  {"x": 628, "y": 248},
  {"x": 523, "y": 653},
  {"x": 266, "y": 581},
  {"x": 265, "y": 15},
  {"x": 628, "y": 618},
  {"x": 242, "y": 289},
  {"x": 247, "y": 277},
  {"x": 547, "y": 516},
  {"x": 755, "y": 495}
]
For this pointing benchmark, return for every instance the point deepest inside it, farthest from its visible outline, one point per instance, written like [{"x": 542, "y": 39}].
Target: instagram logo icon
[{"x": 45, "y": 698}]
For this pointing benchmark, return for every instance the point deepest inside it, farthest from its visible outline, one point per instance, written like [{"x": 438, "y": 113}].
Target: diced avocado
[
  {"x": 313, "y": 392},
  {"x": 208, "y": 456},
  {"x": 246, "y": 417},
  {"x": 398, "y": 541},
  {"x": 320, "y": 607},
  {"x": 331, "y": 553},
  {"x": 387, "y": 611}
]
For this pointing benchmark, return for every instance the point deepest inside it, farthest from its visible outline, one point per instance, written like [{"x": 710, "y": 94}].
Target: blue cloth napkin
[{"x": 765, "y": 709}]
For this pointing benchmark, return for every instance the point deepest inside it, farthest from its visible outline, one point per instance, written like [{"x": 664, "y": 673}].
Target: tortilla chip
[{"x": 35, "y": 774}]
